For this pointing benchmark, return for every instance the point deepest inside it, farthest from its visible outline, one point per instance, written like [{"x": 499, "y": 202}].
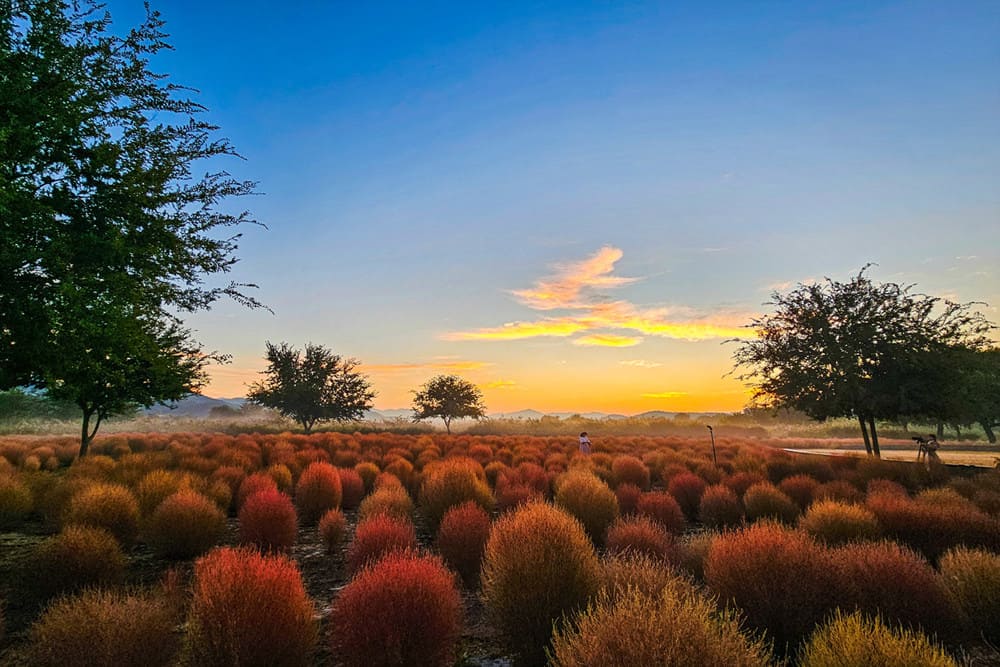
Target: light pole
[{"x": 711, "y": 432}]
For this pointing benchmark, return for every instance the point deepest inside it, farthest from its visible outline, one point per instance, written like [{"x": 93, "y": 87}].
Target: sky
[{"x": 574, "y": 205}]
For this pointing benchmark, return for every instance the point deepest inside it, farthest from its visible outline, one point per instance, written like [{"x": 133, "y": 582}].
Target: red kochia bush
[
  {"x": 352, "y": 488},
  {"x": 630, "y": 470},
  {"x": 332, "y": 529},
  {"x": 719, "y": 507},
  {"x": 662, "y": 507},
  {"x": 317, "y": 491},
  {"x": 267, "y": 520},
  {"x": 896, "y": 583},
  {"x": 249, "y": 609},
  {"x": 687, "y": 489},
  {"x": 933, "y": 529},
  {"x": 403, "y": 610},
  {"x": 779, "y": 577},
  {"x": 184, "y": 525},
  {"x": 800, "y": 488},
  {"x": 641, "y": 534},
  {"x": 258, "y": 481},
  {"x": 461, "y": 539},
  {"x": 377, "y": 537},
  {"x": 628, "y": 498}
]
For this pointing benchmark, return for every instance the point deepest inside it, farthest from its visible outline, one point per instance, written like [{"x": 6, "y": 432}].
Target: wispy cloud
[
  {"x": 641, "y": 363},
  {"x": 567, "y": 286},
  {"x": 500, "y": 384},
  {"x": 607, "y": 340},
  {"x": 576, "y": 287},
  {"x": 666, "y": 394}
]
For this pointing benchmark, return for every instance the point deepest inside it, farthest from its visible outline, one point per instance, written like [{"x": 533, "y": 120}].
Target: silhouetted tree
[
  {"x": 448, "y": 397},
  {"x": 859, "y": 349},
  {"x": 313, "y": 386}
]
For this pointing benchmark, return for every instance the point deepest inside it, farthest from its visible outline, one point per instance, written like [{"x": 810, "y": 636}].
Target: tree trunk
[
  {"x": 874, "y": 434},
  {"x": 987, "y": 425},
  {"x": 864, "y": 434},
  {"x": 958, "y": 432},
  {"x": 447, "y": 424},
  {"x": 86, "y": 434},
  {"x": 940, "y": 430},
  {"x": 307, "y": 426}
]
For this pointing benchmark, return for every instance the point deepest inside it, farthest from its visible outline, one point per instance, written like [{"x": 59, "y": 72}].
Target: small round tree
[{"x": 448, "y": 397}]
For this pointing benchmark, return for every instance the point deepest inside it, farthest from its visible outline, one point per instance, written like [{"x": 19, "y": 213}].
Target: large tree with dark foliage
[
  {"x": 857, "y": 349},
  {"x": 312, "y": 386},
  {"x": 448, "y": 397},
  {"x": 107, "y": 230}
]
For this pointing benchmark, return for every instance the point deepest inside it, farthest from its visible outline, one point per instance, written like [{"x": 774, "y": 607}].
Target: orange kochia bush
[
  {"x": 268, "y": 521},
  {"x": 461, "y": 539},
  {"x": 377, "y": 537},
  {"x": 318, "y": 490}
]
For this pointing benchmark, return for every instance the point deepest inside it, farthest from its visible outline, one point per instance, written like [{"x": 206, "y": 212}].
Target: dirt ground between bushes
[{"x": 323, "y": 574}]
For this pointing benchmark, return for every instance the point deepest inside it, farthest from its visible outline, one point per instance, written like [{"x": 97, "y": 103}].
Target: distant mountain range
[{"x": 197, "y": 405}]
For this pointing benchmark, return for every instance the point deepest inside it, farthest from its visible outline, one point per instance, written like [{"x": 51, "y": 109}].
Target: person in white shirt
[{"x": 584, "y": 443}]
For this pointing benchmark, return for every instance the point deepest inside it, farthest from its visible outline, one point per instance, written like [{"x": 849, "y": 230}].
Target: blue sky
[{"x": 420, "y": 162}]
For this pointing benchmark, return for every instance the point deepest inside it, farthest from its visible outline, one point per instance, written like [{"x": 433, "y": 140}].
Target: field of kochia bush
[{"x": 642, "y": 553}]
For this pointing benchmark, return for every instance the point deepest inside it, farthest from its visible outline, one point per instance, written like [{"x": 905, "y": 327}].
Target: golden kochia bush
[
  {"x": 837, "y": 522},
  {"x": 185, "y": 525},
  {"x": 973, "y": 577},
  {"x": 589, "y": 500},
  {"x": 78, "y": 557},
  {"x": 108, "y": 506},
  {"x": 451, "y": 482},
  {"x": 391, "y": 499},
  {"x": 15, "y": 500},
  {"x": 766, "y": 501},
  {"x": 855, "y": 639},
  {"x": 249, "y": 609},
  {"x": 101, "y": 627},
  {"x": 676, "y": 626},
  {"x": 539, "y": 565}
]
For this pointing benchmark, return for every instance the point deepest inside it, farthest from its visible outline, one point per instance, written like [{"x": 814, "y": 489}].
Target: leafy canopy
[
  {"x": 448, "y": 397},
  {"x": 313, "y": 386},
  {"x": 857, "y": 348},
  {"x": 107, "y": 229}
]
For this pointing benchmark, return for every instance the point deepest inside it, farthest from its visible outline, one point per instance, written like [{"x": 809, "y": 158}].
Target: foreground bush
[
  {"x": 317, "y": 491},
  {"x": 185, "y": 525},
  {"x": 249, "y": 609},
  {"x": 539, "y": 565},
  {"x": 835, "y": 522},
  {"x": 973, "y": 577},
  {"x": 15, "y": 501},
  {"x": 104, "y": 628},
  {"x": 77, "y": 557},
  {"x": 461, "y": 539},
  {"x": 403, "y": 610},
  {"x": 267, "y": 521},
  {"x": 377, "y": 537},
  {"x": 678, "y": 626},
  {"x": 108, "y": 506},
  {"x": 450, "y": 483},
  {"x": 854, "y": 639},
  {"x": 890, "y": 580},
  {"x": 779, "y": 577},
  {"x": 641, "y": 535},
  {"x": 589, "y": 500}
]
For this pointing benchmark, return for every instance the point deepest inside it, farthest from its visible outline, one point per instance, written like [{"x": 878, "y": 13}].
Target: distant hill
[
  {"x": 197, "y": 405},
  {"x": 194, "y": 405}
]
